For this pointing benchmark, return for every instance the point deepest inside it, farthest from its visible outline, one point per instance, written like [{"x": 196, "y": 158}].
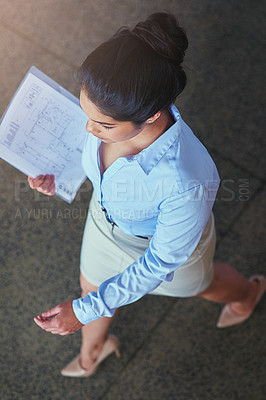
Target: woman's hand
[
  {"x": 43, "y": 183},
  {"x": 59, "y": 320}
]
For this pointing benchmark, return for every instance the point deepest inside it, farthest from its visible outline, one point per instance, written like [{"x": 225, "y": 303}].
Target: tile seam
[
  {"x": 135, "y": 353},
  {"x": 253, "y": 174},
  {"x": 239, "y": 215}
]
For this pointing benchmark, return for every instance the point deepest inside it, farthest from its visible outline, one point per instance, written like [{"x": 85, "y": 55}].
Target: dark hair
[{"x": 137, "y": 73}]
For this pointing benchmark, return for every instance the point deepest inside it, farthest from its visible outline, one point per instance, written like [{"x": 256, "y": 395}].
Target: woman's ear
[{"x": 154, "y": 117}]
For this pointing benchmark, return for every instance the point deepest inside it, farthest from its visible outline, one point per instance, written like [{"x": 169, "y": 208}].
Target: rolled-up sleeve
[{"x": 181, "y": 221}]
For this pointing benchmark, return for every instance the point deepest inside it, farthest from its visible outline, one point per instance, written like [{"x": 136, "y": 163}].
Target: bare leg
[
  {"x": 93, "y": 334},
  {"x": 229, "y": 286}
]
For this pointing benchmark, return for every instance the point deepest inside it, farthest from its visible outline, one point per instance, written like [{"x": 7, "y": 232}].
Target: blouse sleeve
[{"x": 181, "y": 221}]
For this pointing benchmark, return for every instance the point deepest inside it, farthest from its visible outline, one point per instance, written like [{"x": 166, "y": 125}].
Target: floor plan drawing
[{"x": 45, "y": 130}]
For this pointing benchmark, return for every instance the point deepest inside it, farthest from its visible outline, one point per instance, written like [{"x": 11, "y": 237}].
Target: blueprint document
[{"x": 43, "y": 131}]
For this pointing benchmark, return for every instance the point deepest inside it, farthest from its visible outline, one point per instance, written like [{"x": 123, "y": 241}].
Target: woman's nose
[{"x": 91, "y": 127}]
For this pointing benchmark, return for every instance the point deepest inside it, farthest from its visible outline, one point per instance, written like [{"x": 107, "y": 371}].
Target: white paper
[{"x": 43, "y": 132}]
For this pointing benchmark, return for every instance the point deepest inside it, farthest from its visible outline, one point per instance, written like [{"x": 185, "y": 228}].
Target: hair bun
[{"x": 163, "y": 34}]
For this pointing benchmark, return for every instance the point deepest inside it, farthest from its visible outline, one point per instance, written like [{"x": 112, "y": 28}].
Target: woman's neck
[{"x": 148, "y": 134}]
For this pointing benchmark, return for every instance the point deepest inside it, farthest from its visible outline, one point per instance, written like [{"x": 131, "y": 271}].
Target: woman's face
[{"x": 106, "y": 128}]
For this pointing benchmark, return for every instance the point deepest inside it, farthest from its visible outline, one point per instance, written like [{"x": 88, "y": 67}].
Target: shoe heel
[{"x": 117, "y": 352}]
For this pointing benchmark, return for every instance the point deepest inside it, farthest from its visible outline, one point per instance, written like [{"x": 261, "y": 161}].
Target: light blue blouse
[{"x": 166, "y": 191}]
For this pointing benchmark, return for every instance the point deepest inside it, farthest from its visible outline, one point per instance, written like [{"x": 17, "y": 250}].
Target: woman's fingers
[
  {"x": 35, "y": 182},
  {"x": 59, "y": 320},
  {"x": 48, "y": 185},
  {"x": 43, "y": 183}
]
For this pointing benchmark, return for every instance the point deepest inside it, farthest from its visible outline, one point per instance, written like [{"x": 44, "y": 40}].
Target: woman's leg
[
  {"x": 229, "y": 286},
  {"x": 93, "y": 334}
]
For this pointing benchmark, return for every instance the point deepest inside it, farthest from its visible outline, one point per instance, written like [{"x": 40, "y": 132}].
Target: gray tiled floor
[{"x": 170, "y": 348}]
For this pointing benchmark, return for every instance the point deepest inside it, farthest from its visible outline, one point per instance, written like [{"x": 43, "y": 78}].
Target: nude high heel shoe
[
  {"x": 74, "y": 369},
  {"x": 229, "y": 318}
]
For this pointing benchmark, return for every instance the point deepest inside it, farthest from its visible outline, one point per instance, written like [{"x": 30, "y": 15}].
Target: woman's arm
[{"x": 180, "y": 224}]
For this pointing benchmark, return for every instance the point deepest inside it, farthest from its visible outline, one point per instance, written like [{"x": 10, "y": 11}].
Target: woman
[{"x": 150, "y": 227}]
